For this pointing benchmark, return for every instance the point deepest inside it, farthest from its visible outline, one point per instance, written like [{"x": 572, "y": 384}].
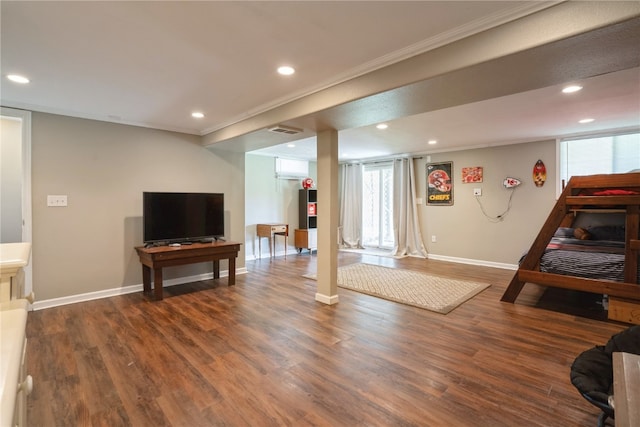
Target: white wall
[
  {"x": 103, "y": 168},
  {"x": 270, "y": 200}
]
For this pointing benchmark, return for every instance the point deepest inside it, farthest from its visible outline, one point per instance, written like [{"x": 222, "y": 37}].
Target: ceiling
[
  {"x": 612, "y": 100},
  {"x": 153, "y": 63}
]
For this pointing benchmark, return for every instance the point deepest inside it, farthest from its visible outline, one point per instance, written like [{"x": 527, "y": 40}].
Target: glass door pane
[
  {"x": 386, "y": 208},
  {"x": 377, "y": 206}
]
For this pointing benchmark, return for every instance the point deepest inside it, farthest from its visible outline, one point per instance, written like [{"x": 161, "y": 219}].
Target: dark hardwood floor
[{"x": 264, "y": 353}]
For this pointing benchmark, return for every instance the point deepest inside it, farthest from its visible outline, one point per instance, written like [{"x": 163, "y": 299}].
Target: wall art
[
  {"x": 472, "y": 175},
  {"x": 440, "y": 184}
]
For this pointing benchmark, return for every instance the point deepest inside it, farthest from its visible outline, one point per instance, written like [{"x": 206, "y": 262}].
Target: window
[
  {"x": 599, "y": 155},
  {"x": 377, "y": 205}
]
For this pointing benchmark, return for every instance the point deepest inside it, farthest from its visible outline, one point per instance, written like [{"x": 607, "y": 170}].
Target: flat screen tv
[{"x": 182, "y": 217}]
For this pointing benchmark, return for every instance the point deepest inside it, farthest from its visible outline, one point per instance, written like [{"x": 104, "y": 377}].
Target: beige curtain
[
  {"x": 406, "y": 224},
  {"x": 351, "y": 206}
]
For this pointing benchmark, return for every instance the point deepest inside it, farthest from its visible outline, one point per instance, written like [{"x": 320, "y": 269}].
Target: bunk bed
[{"x": 614, "y": 193}]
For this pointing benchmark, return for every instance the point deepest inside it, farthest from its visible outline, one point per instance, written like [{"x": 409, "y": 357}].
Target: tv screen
[{"x": 181, "y": 217}]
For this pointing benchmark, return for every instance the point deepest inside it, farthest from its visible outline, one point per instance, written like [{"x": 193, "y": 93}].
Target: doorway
[
  {"x": 15, "y": 197},
  {"x": 377, "y": 206}
]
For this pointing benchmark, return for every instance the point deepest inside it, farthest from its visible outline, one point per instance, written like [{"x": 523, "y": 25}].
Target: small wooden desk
[
  {"x": 270, "y": 231},
  {"x": 167, "y": 256}
]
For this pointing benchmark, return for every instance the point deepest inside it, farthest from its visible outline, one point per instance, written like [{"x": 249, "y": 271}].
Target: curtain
[
  {"x": 351, "y": 206},
  {"x": 406, "y": 226}
]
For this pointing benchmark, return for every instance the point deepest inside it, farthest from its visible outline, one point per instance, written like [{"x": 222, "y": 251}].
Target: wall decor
[
  {"x": 307, "y": 183},
  {"x": 472, "y": 175},
  {"x": 440, "y": 184},
  {"x": 539, "y": 173},
  {"x": 510, "y": 182}
]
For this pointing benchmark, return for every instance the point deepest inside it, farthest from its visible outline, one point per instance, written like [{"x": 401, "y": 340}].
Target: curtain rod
[{"x": 373, "y": 162}]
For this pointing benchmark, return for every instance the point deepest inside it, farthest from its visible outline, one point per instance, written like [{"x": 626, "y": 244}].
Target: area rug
[{"x": 422, "y": 290}]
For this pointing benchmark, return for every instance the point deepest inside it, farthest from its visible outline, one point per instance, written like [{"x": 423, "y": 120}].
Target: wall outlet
[
  {"x": 57, "y": 201},
  {"x": 433, "y": 239},
  {"x": 477, "y": 191}
]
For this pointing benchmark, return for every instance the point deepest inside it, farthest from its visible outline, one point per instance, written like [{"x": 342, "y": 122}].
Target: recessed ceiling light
[
  {"x": 197, "y": 114},
  {"x": 18, "y": 79},
  {"x": 583, "y": 121},
  {"x": 571, "y": 89},
  {"x": 382, "y": 126},
  {"x": 432, "y": 141},
  {"x": 291, "y": 145},
  {"x": 286, "y": 70}
]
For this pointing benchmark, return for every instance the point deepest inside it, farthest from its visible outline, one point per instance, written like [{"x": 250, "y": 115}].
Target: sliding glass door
[{"x": 377, "y": 205}]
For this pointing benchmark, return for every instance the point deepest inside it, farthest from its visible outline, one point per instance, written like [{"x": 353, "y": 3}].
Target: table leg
[
  {"x": 271, "y": 243},
  {"x": 259, "y": 247},
  {"x": 216, "y": 269},
  {"x": 146, "y": 278},
  {"x": 157, "y": 283},
  {"x": 232, "y": 271}
]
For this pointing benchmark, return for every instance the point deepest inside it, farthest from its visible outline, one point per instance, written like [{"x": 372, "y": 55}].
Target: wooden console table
[
  {"x": 270, "y": 231},
  {"x": 167, "y": 256}
]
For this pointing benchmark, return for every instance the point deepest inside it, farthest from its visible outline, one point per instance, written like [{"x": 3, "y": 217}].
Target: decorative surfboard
[{"x": 539, "y": 173}]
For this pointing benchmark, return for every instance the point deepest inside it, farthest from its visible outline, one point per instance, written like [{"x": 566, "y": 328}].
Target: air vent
[{"x": 287, "y": 130}]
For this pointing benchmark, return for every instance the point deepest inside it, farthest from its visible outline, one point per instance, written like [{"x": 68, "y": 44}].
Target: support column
[{"x": 328, "y": 216}]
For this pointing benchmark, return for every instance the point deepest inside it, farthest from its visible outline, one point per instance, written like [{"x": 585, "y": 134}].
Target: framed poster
[
  {"x": 440, "y": 184},
  {"x": 472, "y": 175}
]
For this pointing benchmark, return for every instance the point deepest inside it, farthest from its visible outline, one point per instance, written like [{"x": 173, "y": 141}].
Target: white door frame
[{"x": 25, "y": 118}]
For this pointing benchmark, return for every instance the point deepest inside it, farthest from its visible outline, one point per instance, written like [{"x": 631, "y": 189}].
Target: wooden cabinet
[
  {"x": 306, "y": 239},
  {"x": 13, "y": 258},
  {"x": 15, "y": 384}
]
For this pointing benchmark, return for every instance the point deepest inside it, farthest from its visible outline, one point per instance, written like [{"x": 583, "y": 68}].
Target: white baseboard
[
  {"x": 255, "y": 257},
  {"x": 469, "y": 261},
  {"x": 326, "y": 299},
  {"x": 72, "y": 299}
]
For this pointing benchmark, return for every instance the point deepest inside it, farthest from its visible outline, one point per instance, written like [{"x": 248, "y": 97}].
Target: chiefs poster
[{"x": 440, "y": 184}]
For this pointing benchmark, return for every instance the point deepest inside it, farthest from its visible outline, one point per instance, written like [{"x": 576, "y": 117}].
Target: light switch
[{"x": 57, "y": 200}]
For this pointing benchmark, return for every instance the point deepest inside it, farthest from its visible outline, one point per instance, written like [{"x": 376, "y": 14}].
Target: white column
[{"x": 327, "y": 150}]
